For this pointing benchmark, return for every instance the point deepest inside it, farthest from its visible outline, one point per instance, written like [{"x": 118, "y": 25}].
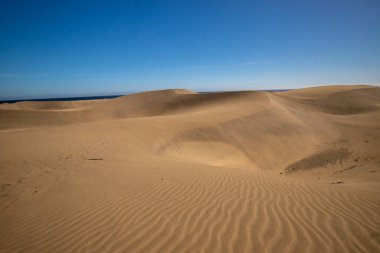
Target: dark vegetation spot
[
  {"x": 338, "y": 182},
  {"x": 319, "y": 159},
  {"x": 349, "y": 168},
  {"x": 95, "y": 159}
]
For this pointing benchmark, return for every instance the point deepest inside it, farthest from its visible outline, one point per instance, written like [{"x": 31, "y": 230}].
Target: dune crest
[{"x": 180, "y": 171}]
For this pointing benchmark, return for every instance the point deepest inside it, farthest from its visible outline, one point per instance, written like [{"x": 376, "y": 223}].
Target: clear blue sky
[{"x": 50, "y": 48}]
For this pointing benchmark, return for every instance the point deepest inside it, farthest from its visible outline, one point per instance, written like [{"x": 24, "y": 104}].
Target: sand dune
[{"x": 178, "y": 171}]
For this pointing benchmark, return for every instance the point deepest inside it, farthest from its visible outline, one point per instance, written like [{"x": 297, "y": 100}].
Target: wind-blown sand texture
[{"x": 177, "y": 171}]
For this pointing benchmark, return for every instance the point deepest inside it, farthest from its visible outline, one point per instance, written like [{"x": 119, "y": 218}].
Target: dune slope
[{"x": 177, "y": 171}]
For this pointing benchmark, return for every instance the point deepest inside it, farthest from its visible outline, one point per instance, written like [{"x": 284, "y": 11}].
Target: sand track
[{"x": 176, "y": 171}]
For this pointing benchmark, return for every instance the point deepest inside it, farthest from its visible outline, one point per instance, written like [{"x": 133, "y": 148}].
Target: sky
[{"x": 67, "y": 48}]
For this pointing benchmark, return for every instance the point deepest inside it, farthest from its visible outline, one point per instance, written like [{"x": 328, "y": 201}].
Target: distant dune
[{"x": 178, "y": 171}]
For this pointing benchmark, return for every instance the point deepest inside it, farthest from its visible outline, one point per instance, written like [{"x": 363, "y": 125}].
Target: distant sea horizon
[
  {"x": 77, "y": 98},
  {"x": 74, "y": 98}
]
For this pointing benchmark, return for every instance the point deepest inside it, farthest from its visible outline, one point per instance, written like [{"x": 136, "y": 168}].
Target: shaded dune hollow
[
  {"x": 209, "y": 152},
  {"x": 180, "y": 171}
]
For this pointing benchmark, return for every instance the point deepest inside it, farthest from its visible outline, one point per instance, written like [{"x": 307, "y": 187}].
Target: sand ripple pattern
[{"x": 211, "y": 210}]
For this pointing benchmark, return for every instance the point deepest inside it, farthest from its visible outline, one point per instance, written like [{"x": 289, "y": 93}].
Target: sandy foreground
[{"x": 177, "y": 171}]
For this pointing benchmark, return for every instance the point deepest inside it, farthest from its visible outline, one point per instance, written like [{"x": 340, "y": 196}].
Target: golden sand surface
[{"x": 177, "y": 171}]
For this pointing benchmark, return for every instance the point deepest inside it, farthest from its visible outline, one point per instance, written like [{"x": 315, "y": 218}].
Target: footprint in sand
[
  {"x": 31, "y": 191},
  {"x": 3, "y": 187}
]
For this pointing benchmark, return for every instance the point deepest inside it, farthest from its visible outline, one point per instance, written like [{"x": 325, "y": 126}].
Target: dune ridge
[{"x": 178, "y": 171}]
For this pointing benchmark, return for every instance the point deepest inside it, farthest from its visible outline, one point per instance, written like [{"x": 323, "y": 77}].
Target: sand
[{"x": 177, "y": 171}]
